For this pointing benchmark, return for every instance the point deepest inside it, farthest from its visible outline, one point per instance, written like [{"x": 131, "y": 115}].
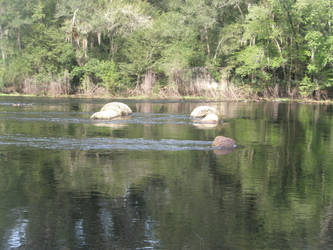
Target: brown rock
[{"x": 222, "y": 142}]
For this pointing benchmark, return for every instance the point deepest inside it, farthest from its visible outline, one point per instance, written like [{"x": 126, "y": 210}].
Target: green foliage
[
  {"x": 257, "y": 23},
  {"x": 307, "y": 87},
  {"x": 252, "y": 60},
  {"x": 115, "y": 43},
  {"x": 108, "y": 74},
  {"x": 102, "y": 73},
  {"x": 176, "y": 57},
  {"x": 139, "y": 51},
  {"x": 15, "y": 71}
]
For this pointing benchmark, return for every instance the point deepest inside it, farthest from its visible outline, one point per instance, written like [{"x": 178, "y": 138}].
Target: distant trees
[
  {"x": 284, "y": 37},
  {"x": 276, "y": 47}
]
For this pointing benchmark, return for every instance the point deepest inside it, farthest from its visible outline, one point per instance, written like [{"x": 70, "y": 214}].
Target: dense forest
[{"x": 170, "y": 47}]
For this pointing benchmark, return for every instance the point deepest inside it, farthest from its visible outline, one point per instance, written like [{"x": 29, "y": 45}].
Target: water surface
[{"x": 153, "y": 181}]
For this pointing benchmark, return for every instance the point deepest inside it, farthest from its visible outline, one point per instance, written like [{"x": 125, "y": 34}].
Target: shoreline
[{"x": 176, "y": 98}]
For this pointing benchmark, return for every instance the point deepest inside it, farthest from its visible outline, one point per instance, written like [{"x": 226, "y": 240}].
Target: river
[{"x": 153, "y": 180}]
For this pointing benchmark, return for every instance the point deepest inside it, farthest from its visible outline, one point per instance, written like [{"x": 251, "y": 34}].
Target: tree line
[{"x": 273, "y": 47}]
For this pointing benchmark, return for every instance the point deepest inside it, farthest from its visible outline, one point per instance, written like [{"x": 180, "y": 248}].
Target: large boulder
[
  {"x": 202, "y": 111},
  {"x": 106, "y": 115},
  {"x": 125, "y": 110},
  {"x": 210, "y": 118},
  {"x": 205, "y": 115},
  {"x": 112, "y": 110}
]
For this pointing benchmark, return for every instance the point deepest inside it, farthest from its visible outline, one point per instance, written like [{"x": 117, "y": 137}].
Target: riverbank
[{"x": 159, "y": 97}]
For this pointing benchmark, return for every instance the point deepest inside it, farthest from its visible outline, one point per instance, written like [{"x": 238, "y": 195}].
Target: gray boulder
[
  {"x": 112, "y": 110},
  {"x": 202, "y": 111},
  {"x": 210, "y": 118},
  {"x": 125, "y": 110},
  {"x": 205, "y": 115}
]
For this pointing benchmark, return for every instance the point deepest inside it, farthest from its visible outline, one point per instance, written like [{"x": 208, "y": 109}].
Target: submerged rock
[
  {"x": 223, "y": 151},
  {"x": 223, "y": 145},
  {"x": 112, "y": 110},
  {"x": 204, "y": 125},
  {"x": 113, "y": 125},
  {"x": 222, "y": 142}
]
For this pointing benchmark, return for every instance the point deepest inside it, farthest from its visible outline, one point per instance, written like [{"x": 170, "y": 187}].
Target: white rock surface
[
  {"x": 112, "y": 110},
  {"x": 205, "y": 115},
  {"x": 106, "y": 115},
  {"x": 202, "y": 111},
  {"x": 125, "y": 110},
  {"x": 210, "y": 118}
]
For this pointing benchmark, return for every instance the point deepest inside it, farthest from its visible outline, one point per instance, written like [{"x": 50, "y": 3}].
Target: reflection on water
[
  {"x": 79, "y": 234},
  {"x": 153, "y": 181},
  {"x": 15, "y": 237}
]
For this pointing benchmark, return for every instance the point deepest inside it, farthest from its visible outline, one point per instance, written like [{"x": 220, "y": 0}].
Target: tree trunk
[
  {"x": 284, "y": 64},
  {"x": 19, "y": 40},
  {"x": 217, "y": 49},
  {"x": 207, "y": 41},
  {"x": 240, "y": 10},
  {"x": 99, "y": 38},
  {"x": 148, "y": 82}
]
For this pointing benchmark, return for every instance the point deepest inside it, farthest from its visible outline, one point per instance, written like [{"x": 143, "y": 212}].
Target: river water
[{"x": 153, "y": 181}]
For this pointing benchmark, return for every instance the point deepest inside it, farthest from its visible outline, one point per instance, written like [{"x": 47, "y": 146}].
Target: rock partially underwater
[
  {"x": 202, "y": 111},
  {"x": 210, "y": 118},
  {"x": 125, "y": 110},
  {"x": 112, "y": 110},
  {"x": 223, "y": 145},
  {"x": 206, "y": 115}
]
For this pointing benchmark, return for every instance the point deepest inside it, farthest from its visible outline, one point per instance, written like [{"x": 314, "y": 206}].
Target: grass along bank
[{"x": 224, "y": 93}]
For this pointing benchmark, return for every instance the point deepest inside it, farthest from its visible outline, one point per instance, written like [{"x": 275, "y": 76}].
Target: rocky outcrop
[
  {"x": 112, "y": 110},
  {"x": 206, "y": 115}
]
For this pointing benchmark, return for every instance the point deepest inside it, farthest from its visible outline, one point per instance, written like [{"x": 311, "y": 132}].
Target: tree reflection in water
[{"x": 273, "y": 191}]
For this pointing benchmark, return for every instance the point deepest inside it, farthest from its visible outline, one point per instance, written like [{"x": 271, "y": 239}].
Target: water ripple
[
  {"x": 104, "y": 143},
  {"x": 83, "y": 117}
]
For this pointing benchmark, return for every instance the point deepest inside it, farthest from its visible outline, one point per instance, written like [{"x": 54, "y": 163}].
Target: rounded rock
[
  {"x": 125, "y": 110},
  {"x": 202, "y": 111},
  {"x": 222, "y": 142},
  {"x": 210, "y": 119},
  {"x": 106, "y": 115}
]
